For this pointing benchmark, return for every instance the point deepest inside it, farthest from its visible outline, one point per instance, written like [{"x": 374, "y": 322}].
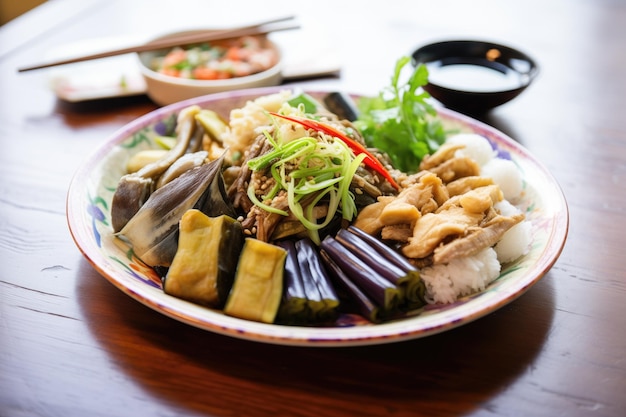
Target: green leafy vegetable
[
  {"x": 400, "y": 121},
  {"x": 310, "y": 104}
]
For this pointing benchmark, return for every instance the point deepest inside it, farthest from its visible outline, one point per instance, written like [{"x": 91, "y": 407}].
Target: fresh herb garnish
[{"x": 400, "y": 121}]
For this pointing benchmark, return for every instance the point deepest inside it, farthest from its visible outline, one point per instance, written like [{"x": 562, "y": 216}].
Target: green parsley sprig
[{"x": 400, "y": 121}]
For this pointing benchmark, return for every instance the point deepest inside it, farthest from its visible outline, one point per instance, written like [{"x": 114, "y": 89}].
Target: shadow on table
[
  {"x": 102, "y": 105},
  {"x": 117, "y": 110},
  {"x": 453, "y": 372}
]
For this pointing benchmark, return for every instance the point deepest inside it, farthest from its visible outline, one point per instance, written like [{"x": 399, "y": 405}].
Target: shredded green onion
[
  {"x": 262, "y": 205},
  {"x": 308, "y": 169}
]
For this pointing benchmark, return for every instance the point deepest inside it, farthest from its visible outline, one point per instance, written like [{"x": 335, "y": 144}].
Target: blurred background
[{"x": 10, "y": 9}]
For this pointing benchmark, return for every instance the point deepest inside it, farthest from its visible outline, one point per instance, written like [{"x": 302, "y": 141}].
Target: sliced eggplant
[
  {"x": 352, "y": 294},
  {"x": 381, "y": 291},
  {"x": 203, "y": 269},
  {"x": 387, "y": 263},
  {"x": 314, "y": 274},
  {"x": 258, "y": 286},
  {"x": 342, "y": 105},
  {"x": 293, "y": 306}
]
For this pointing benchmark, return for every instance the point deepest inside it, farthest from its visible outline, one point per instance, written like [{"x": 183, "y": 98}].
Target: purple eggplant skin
[
  {"x": 384, "y": 293},
  {"x": 314, "y": 302},
  {"x": 342, "y": 105},
  {"x": 385, "y": 251},
  {"x": 353, "y": 294},
  {"x": 293, "y": 307},
  {"x": 400, "y": 272},
  {"x": 370, "y": 256},
  {"x": 312, "y": 271}
]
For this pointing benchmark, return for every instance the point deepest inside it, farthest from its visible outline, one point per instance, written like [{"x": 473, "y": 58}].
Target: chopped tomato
[
  {"x": 175, "y": 56},
  {"x": 226, "y": 60},
  {"x": 172, "y": 72},
  {"x": 222, "y": 75},
  {"x": 234, "y": 53},
  {"x": 203, "y": 73}
]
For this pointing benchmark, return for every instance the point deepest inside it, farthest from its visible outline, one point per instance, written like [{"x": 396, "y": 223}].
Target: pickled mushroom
[
  {"x": 134, "y": 189},
  {"x": 153, "y": 231}
]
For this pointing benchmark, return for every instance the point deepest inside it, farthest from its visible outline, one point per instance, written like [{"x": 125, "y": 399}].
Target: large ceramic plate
[{"x": 89, "y": 202}]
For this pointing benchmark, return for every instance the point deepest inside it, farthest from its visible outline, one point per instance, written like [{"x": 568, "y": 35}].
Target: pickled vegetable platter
[{"x": 90, "y": 200}]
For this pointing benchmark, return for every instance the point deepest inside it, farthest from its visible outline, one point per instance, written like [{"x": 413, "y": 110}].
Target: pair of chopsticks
[{"x": 261, "y": 28}]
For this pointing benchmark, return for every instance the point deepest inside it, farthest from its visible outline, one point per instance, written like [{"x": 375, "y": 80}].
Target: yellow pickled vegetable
[
  {"x": 258, "y": 286},
  {"x": 205, "y": 263},
  {"x": 213, "y": 124},
  {"x": 143, "y": 158}
]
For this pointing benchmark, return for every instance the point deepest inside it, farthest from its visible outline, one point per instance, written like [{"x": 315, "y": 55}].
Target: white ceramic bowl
[{"x": 165, "y": 89}]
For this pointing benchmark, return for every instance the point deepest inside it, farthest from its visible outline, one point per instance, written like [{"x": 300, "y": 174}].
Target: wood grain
[{"x": 71, "y": 344}]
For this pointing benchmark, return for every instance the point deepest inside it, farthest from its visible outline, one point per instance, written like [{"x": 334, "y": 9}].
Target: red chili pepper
[{"x": 369, "y": 161}]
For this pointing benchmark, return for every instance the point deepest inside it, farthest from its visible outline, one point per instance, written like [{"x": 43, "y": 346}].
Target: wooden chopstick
[
  {"x": 211, "y": 35},
  {"x": 203, "y": 36}
]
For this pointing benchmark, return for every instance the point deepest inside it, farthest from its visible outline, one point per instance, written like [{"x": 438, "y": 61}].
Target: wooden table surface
[{"x": 71, "y": 344}]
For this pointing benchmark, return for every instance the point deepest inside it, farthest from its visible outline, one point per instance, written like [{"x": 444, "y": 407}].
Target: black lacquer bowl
[{"x": 473, "y": 76}]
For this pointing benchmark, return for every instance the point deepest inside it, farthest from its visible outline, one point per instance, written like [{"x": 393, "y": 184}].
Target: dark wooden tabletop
[{"x": 71, "y": 344}]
